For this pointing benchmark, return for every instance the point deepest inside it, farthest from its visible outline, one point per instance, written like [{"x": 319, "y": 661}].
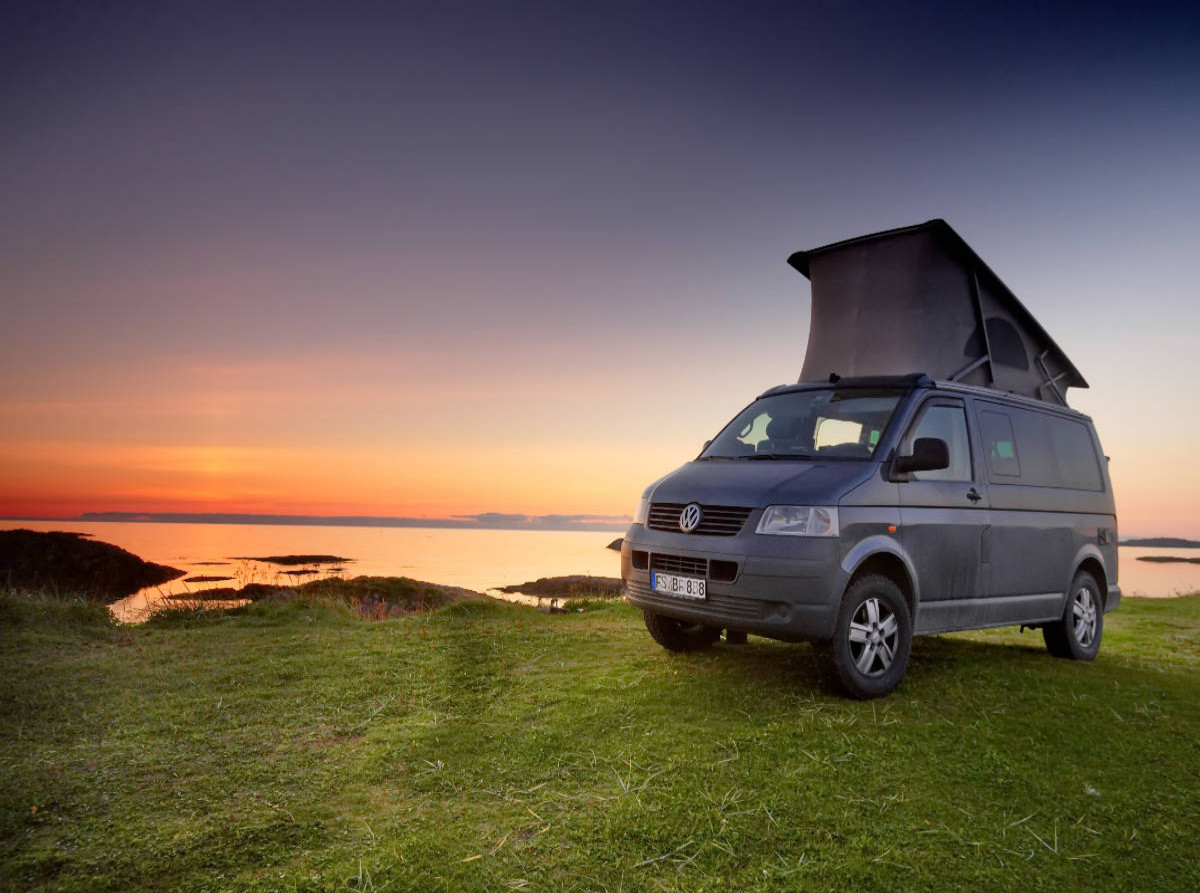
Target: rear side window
[
  {"x": 1000, "y": 445},
  {"x": 1078, "y": 467},
  {"x": 1038, "y": 467},
  {"x": 1039, "y": 449}
]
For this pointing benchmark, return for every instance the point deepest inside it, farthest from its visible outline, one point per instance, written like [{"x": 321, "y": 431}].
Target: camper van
[{"x": 925, "y": 475}]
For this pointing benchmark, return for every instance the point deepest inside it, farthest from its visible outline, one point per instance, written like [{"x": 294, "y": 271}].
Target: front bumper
[{"x": 784, "y": 587}]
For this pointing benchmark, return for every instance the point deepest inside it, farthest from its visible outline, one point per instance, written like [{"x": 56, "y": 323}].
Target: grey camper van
[{"x": 925, "y": 475}]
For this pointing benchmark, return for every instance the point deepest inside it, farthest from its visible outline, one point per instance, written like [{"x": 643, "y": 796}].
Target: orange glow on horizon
[
  {"x": 54, "y": 480},
  {"x": 48, "y": 480}
]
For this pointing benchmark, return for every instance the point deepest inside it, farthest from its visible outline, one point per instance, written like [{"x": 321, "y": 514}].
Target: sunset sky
[{"x": 445, "y": 259}]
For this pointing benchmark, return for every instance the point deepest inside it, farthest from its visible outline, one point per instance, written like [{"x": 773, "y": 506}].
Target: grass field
[{"x": 491, "y": 747}]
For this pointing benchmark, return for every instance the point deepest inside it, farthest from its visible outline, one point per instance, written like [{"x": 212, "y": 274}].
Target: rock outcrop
[{"x": 70, "y": 564}]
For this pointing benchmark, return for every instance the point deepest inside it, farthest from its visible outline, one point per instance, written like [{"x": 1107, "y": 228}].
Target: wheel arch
[
  {"x": 1091, "y": 560},
  {"x": 883, "y": 555}
]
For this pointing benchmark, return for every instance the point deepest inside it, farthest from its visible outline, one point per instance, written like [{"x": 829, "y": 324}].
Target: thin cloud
[{"x": 513, "y": 521}]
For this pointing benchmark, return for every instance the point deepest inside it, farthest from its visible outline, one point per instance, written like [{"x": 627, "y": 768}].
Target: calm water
[
  {"x": 1158, "y": 580},
  {"x": 474, "y": 559}
]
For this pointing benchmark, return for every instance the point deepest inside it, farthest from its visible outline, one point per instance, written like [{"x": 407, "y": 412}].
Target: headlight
[
  {"x": 799, "y": 520},
  {"x": 643, "y": 511}
]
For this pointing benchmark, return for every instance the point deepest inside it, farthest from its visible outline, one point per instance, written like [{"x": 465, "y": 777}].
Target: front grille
[
  {"x": 715, "y": 520},
  {"x": 719, "y": 606},
  {"x": 722, "y": 571},
  {"x": 679, "y": 564}
]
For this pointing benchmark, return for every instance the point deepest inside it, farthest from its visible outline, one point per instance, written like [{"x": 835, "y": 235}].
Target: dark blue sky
[{"x": 580, "y": 141}]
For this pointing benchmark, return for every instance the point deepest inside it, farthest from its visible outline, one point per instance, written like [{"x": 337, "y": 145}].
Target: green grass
[{"x": 491, "y": 747}]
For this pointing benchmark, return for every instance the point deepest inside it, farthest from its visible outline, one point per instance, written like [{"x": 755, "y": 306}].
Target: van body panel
[
  {"x": 875, "y": 490},
  {"x": 1029, "y": 551},
  {"x": 780, "y": 482},
  {"x": 1028, "y": 610},
  {"x": 944, "y": 539}
]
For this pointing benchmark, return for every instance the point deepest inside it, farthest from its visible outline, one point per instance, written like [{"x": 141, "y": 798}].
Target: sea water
[{"x": 480, "y": 560}]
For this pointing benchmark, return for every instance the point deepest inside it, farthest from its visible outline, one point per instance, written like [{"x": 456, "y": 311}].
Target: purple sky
[{"x": 285, "y": 205}]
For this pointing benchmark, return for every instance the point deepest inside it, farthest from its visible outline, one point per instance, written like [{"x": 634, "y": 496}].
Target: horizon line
[{"x": 480, "y": 521}]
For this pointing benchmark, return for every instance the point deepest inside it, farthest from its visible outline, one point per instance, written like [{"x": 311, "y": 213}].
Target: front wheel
[
  {"x": 872, "y": 639},
  {"x": 1077, "y": 635},
  {"x": 679, "y": 635}
]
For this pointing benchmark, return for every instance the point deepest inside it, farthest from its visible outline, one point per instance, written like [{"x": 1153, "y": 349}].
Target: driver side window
[{"x": 948, "y": 423}]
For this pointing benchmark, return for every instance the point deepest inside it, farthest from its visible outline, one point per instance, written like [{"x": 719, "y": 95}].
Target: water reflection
[
  {"x": 194, "y": 589},
  {"x": 1154, "y": 580}
]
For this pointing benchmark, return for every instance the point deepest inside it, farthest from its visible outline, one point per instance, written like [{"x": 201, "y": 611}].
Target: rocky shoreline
[
  {"x": 62, "y": 563},
  {"x": 572, "y": 586},
  {"x": 71, "y": 565}
]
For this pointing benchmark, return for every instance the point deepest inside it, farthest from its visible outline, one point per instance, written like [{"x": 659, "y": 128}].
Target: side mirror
[
  {"x": 929, "y": 454},
  {"x": 707, "y": 444}
]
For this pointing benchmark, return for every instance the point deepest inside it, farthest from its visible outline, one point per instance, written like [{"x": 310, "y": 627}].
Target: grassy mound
[{"x": 371, "y": 598}]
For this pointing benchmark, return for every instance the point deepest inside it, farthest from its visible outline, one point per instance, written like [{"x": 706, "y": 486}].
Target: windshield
[{"x": 821, "y": 424}]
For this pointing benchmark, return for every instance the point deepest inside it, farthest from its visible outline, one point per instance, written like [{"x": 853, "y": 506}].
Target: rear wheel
[
  {"x": 1077, "y": 635},
  {"x": 679, "y": 635},
  {"x": 872, "y": 639}
]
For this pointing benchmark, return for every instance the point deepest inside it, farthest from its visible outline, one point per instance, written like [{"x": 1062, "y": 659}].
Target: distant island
[
  {"x": 294, "y": 560},
  {"x": 1161, "y": 542}
]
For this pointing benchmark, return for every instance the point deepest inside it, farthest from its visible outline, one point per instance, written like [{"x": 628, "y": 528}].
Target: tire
[
  {"x": 1077, "y": 635},
  {"x": 872, "y": 639},
  {"x": 679, "y": 635}
]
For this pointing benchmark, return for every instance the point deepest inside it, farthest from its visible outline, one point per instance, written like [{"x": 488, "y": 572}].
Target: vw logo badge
[{"x": 689, "y": 518}]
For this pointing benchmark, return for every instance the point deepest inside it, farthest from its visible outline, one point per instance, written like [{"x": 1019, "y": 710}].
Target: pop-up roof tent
[{"x": 918, "y": 299}]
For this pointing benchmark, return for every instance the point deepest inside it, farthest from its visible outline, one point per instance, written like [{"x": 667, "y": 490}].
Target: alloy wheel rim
[
  {"x": 1084, "y": 616},
  {"x": 874, "y": 637}
]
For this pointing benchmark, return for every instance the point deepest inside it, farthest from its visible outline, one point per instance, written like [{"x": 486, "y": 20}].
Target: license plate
[{"x": 680, "y": 587}]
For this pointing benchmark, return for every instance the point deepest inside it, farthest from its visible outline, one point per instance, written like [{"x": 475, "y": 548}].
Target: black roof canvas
[{"x": 919, "y": 299}]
